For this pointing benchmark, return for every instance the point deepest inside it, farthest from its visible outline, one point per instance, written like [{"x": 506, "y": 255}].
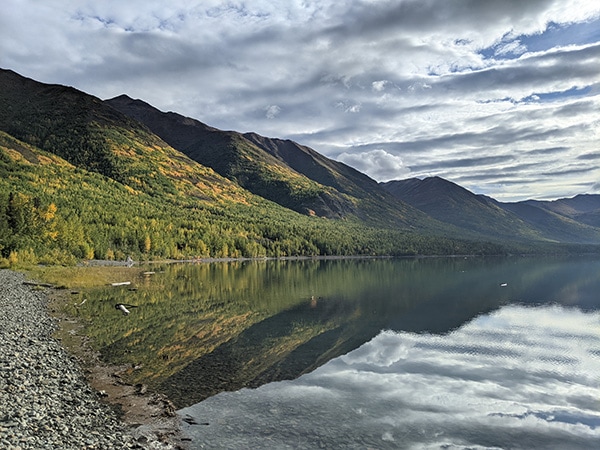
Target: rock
[{"x": 42, "y": 383}]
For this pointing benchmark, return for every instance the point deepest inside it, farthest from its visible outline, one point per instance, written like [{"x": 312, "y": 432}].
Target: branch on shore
[{"x": 35, "y": 283}]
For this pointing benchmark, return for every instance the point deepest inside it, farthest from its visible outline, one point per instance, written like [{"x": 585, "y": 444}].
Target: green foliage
[{"x": 54, "y": 212}]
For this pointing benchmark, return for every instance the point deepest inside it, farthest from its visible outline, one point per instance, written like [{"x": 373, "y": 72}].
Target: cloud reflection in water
[{"x": 521, "y": 377}]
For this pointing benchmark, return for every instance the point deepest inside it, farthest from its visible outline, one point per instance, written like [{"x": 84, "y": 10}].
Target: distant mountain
[
  {"x": 567, "y": 220},
  {"x": 574, "y": 219},
  {"x": 584, "y": 208},
  {"x": 283, "y": 171},
  {"x": 451, "y": 203}
]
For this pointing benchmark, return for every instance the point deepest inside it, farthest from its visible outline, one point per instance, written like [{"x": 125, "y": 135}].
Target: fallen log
[{"x": 35, "y": 283}]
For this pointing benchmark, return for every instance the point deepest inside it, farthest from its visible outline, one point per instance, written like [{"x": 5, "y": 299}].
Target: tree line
[{"x": 35, "y": 230}]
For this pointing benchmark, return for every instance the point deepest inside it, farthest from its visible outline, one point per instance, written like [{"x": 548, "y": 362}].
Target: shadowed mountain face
[
  {"x": 58, "y": 119},
  {"x": 283, "y": 171},
  {"x": 93, "y": 136},
  {"x": 316, "y": 166},
  {"x": 566, "y": 220},
  {"x": 584, "y": 208}
]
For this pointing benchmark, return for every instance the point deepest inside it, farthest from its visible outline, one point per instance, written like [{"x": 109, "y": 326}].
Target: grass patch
[{"x": 83, "y": 277}]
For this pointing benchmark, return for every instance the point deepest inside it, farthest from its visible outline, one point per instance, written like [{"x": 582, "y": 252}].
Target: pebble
[{"x": 45, "y": 401}]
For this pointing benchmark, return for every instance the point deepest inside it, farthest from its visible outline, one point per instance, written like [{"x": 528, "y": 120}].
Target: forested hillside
[
  {"x": 52, "y": 211},
  {"x": 292, "y": 175},
  {"x": 80, "y": 180}
]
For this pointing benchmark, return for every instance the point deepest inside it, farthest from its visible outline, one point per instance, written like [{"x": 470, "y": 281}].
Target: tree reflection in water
[{"x": 200, "y": 329}]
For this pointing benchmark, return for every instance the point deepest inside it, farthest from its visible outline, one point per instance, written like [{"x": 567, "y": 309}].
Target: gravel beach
[{"x": 45, "y": 400}]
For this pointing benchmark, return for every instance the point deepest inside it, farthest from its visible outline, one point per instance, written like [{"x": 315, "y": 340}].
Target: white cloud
[
  {"x": 379, "y": 85},
  {"x": 378, "y": 164},
  {"x": 425, "y": 80},
  {"x": 532, "y": 371},
  {"x": 272, "y": 111}
]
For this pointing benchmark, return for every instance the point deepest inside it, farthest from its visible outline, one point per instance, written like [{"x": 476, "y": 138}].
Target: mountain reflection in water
[{"x": 207, "y": 328}]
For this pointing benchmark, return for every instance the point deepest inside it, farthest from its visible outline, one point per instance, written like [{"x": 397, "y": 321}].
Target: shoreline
[
  {"x": 105, "y": 262},
  {"x": 55, "y": 392}
]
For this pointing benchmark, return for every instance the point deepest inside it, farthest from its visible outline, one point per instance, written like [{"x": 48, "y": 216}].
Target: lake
[{"x": 366, "y": 353}]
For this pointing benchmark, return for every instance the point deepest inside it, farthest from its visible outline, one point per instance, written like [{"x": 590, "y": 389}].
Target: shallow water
[{"x": 406, "y": 353}]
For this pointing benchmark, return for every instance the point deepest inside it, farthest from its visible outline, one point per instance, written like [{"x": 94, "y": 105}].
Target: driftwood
[{"x": 35, "y": 283}]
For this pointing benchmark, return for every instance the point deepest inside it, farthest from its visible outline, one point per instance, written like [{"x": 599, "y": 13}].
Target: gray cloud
[
  {"x": 548, "y": 72},
  {"x": 589, "y": 156},
  {"x": 570, "y": 171},
  {"x": 548, "y": 151},
  {"x": 463, "y": 163},
  {"x": 391, "y": 87}
]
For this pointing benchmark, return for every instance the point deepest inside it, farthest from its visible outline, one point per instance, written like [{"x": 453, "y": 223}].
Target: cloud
[
  {"x": 379, "y": 85},
  {"x": 511, "y": 48},
  {"x": 272, "y": 111},
  {"x": 378, "y": 164},
  {"x": 419, "y": 80},
  {"x": 589, "y": 156},
  {"x": 532, "y": 371},
  {"x": 462, "y": 163}
]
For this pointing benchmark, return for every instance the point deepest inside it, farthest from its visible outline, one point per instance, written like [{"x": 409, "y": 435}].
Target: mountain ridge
[
  {"x": 83, "y": 179},
  {"x": 557, "y": 221},
  {"x": 288, "y": 173}
]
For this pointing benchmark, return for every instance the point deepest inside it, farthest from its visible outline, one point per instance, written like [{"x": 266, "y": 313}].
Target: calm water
[{"x": 412, "y": 353}]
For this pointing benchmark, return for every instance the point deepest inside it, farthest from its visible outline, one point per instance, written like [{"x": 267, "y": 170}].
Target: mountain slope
[
  {"x": 451, "y": 203},
  {"x": 81, "y": 180},
  {"x": 292, "y": 175},
  {"x": 87, "y": 133},
  {"x": 232, "y": 157},
  {"x": 53, "y": 211},
  {"x": 583, "y": 208},
  {"x": 531, "y": 220},
  {"x": 559, "y": 220}
]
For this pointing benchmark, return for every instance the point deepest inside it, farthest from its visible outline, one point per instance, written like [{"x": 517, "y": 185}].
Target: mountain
[
  {"x": 84, "y": 178},
  {"x": 87, "y": 133},
  {"x": 79, "y": 179},
  {"x": 451, "y": 203},
  {"x": 584, "y": 208},
  {"x": 290, "y": 174},
  {"x": 574, "y": 219},
  {"x": 566, "y": 220}
]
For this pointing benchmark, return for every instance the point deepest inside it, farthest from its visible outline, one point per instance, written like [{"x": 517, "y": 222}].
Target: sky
[
  {"x": 519, "y": 377},
  {"x": 499, "y": 96}
]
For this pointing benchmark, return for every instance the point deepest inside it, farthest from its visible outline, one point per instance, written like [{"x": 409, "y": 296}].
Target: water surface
[
  {"x": 520, "y": 377},
  {"x": 451, "y": 352}
]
